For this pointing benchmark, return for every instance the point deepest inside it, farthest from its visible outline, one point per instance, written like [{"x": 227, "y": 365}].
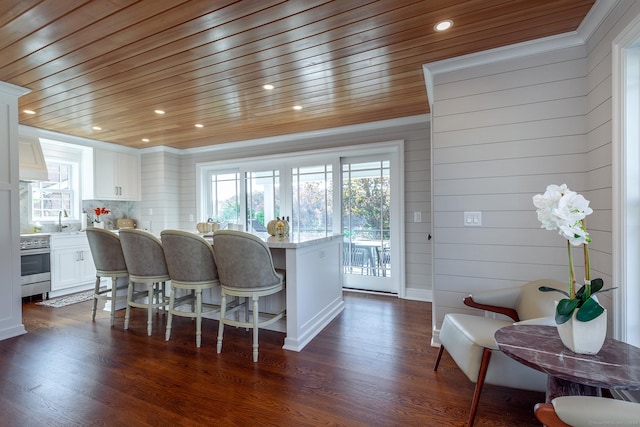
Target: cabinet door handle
[
  {"x": 116, "y": 190},
  {"x": 81, "y": 255}
]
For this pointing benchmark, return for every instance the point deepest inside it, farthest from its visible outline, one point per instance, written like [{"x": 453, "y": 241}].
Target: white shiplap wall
[
  {"x": 160, "y": 181},
  {"x": 416, "y": 138},
  {"x": 502, "y": 132}
]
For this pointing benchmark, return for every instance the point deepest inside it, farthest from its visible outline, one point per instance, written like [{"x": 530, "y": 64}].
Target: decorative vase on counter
[{"x": 584, "y": 337}]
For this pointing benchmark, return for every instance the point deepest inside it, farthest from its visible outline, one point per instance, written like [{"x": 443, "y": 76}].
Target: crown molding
[
  {"x": 161, "y": 149},
  {"x": 598, "y": 13},
  {"x": 297, "y": 137},
  {"x": 72, "y": 139},
  {"x": 12, "y": 89}
]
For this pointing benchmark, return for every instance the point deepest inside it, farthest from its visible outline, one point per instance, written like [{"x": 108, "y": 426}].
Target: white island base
[{"x": 313, "y": 284}]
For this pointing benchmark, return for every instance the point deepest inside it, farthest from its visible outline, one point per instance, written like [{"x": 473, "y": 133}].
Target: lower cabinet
[{"x": 72, "y": 268}]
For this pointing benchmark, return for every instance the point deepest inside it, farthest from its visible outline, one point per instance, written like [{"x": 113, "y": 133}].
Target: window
[
  {"x": 224, "y": 192},
  {"x": 263, "y": 197},
  {"x": 61, "y": 192},
  {"x": 312, "y": 198},
  {"x": 49, "y": 198}
]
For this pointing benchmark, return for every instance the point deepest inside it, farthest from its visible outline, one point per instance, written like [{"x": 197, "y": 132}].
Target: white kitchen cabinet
[
  {"x": 116, "y": 175},
  {"x": 72, "y": 268}
]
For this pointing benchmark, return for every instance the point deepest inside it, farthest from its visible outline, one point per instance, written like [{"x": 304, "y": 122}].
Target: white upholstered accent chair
[
  {"x": 192, "y": 268},
  {"x": 246, "y": 271},
  {"x": 144, "y": 256},
  {"x": 587, "y": 411},
  {"x": 470, "y": 341},
  {"x": 108, "y": 259}
]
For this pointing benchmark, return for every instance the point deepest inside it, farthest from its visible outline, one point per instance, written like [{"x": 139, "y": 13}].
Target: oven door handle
[{"x": 35, "y": 251}]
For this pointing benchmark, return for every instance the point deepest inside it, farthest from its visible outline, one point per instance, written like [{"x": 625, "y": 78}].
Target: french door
[{"x": 366, "y": 223}]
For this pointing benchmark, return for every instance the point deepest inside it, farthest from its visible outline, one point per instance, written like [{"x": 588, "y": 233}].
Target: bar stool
[
  {"x": 191, "y": 267},
  {"x": 144, "y": 256},
  {"x": 106, "y": 252},
  {"x": 246, "y": 271}
]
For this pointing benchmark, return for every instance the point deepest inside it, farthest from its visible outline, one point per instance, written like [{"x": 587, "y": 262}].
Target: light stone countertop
[{"x": 292, "y": 241}]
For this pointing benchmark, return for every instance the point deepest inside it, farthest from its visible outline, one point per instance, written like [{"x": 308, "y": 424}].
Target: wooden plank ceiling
[{"x": 111, "y": 63}]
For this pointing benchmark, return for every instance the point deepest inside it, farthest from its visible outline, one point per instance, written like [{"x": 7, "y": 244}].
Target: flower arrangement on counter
[{"x": 100, "y": 211}]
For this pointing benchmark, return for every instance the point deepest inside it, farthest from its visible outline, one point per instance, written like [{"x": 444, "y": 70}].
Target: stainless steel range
[{"x": 35, "y": 260}]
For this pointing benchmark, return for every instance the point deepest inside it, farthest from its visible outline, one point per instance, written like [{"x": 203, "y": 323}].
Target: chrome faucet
[{"x": 60, "y": 226}]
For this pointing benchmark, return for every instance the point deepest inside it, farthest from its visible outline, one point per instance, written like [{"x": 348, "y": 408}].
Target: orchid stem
[
  {"x": 572, "y": 273},
  {"x": 587, "y": 266}
]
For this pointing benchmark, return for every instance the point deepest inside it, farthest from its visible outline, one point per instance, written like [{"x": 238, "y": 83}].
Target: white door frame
[{"x": 626, "y": 197}]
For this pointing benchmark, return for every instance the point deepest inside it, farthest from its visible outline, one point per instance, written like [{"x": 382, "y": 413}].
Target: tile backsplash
[{"x": 119, "y": 209}]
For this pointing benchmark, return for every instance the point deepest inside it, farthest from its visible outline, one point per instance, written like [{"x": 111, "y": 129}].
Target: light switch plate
[
  {"x": 473, "y": 219},
  {"x": 417, "y": 217}
]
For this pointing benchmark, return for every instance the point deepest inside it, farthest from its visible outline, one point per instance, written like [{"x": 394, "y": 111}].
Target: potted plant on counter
[{"x": 97, "y": 222}]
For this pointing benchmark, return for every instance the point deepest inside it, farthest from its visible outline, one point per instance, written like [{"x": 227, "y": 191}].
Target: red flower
[{"x": 101, "y": 211}]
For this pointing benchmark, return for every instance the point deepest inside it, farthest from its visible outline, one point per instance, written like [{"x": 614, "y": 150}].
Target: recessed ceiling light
[
  {"x": 28, "y": 111},
  {"x": 297, "y": 107},
  {"x": 198, "y": 125},
  {"x": 158, "y": 111},
  {"x": 145, "y": 140},
  {"x": 443, "y": 25},
  {"x": 267, "y": 87},
  {"x": 96, "y": 128}
]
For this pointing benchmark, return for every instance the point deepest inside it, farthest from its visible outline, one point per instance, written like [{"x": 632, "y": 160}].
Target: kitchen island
[{"x": 313, "y": 290}]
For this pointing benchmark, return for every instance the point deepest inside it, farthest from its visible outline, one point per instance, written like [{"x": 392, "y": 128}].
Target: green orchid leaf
[
  {"x": 589, "y": 310},
  {"x": 596, "y": 285},
  {"x": 565, "y": 309},
  {"x": 549, "y": 289},
  {"x": 605, "y": 290}
]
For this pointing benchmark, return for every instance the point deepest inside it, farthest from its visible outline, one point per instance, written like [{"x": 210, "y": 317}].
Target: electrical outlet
[
  {"x": 190, "y": 217},
  {"x": 473, "y": 219},
  {"x": 417, "y": 217}
]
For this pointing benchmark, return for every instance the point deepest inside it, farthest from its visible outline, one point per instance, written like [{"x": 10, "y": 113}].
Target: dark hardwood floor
[{"x": 372, "y": 366}]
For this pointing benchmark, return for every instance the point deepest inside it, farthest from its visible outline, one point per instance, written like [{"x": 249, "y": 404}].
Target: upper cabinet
[{"x": 116, "y": 176}]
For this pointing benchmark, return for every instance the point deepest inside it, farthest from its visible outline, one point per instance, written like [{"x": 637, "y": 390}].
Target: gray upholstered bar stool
[
  {"x": 191, "y": 267},
  {"x": 106, "y": 252},
  {"x": 246, "y": 270},
  {"x": 144, "y": 256}
]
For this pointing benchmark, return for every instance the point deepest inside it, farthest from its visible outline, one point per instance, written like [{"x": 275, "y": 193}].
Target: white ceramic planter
[{"x": 584, "y": 337}]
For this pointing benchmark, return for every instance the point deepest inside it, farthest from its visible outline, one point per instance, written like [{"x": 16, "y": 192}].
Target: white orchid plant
[{"x": 564, "y": 210}]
